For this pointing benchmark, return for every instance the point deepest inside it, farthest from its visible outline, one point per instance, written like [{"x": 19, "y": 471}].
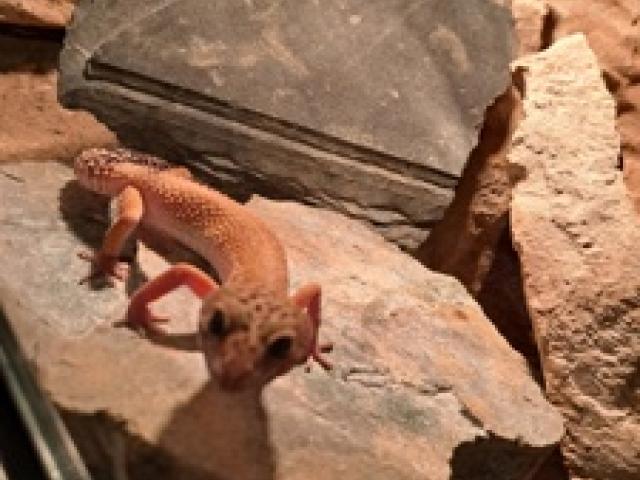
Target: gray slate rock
[
  {"x": 370, "y": 108},
  {"x": 424, "y": 386}
]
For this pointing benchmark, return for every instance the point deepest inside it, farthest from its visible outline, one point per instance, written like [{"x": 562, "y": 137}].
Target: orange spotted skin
[
  {"x": 251, "y": 329},
  {"x": 234, "y": 240}
]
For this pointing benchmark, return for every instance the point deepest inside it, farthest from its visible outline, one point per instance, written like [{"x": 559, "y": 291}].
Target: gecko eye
[
  {"x": 279, "y": 348},
  {"x": 217, "y": 324}
]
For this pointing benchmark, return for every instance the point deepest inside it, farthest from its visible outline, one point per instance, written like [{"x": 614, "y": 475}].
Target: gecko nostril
[
  {"x": 279, "y": 348},
  {"x": 217, "y": 324}
]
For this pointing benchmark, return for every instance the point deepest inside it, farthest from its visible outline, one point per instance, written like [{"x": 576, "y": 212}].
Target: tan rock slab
[
  {"x": 612, "y": 28},
  {"x": 577, "y": 235},
  {"x": 424, "y": 387},
  {"x": 42, "y": 13}
]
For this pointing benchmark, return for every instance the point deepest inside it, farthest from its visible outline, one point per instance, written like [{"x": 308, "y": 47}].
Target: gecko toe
[
  {"x": 326, "y": 347},
  {"x": 146, "y": 321},
  {"x": 104, "y": 266}
]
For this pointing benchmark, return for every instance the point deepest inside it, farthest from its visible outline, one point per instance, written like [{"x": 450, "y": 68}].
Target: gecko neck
[{"x": 263, "y": 280}]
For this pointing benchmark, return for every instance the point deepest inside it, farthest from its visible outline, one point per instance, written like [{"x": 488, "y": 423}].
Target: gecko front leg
[
  {"x": 139, "y": 314},
  {"x": 104, "y": 262}
]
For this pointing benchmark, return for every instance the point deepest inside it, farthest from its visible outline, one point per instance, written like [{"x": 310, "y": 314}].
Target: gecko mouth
[{"x": 231, "y": 385}]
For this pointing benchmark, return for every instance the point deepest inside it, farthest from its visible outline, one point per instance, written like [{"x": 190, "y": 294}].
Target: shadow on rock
[
  {"x": 214, "y": 435},
  {"x": 488, "y": 458},
  {"x": 502, "y": 299},
  {"x": 29, "y": 49},
  {"x": 228, "y": 432},
  {"x": 86, "y": 213},
  {"x": 185, "y": 342}
]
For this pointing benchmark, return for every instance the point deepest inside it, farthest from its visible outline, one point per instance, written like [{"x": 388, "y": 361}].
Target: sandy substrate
[{"x": 33, "y": 125}]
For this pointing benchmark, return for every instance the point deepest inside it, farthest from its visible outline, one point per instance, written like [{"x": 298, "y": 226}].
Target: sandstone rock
[
  {"x": 577, "y": 236},
  {"x": 424, "y": 385},
  {"x": 530, "y": 16},
  {"x": 462, "y": 243},
  {"x": 370, "y": 108},
  {"x": 629, "y": 128},
  {"x": 632, "y": 177},
  {"x": 612, "y": 28},
  {"x": 47, "y": 13},
  {"x": 613, "y": 31},
  {"x": 33, "y": 125}
]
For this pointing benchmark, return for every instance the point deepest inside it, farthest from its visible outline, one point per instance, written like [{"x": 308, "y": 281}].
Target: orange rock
[
  {"x": 44, "y": 13},
  {"x": 34, "y": 126},
  {"x": 462, "y": 243},
  {"x": 531, "y": 20},
  {"x": 612, "y": 28}
]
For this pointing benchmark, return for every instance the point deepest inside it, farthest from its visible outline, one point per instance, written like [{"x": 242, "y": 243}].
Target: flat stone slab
[
  {"x": 368, "y": 107},
  {"x": 424, "y": 386}
]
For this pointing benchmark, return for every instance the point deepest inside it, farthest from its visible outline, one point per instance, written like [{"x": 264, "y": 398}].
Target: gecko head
[
  {"x": 250, "y": 336},
  {"x": 106, "y": 170},
  {"x": 96, "y": 169}
]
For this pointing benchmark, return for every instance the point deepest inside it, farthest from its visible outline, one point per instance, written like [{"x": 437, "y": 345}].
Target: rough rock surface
[
  {"x": 473, "y": 243},
  {"x": 370, "y": 108},
  {"x": 612, "y": 28},
  {"x": 33, "y": 125},
  {"x": 424, "y": 386},
  {"x": 577, "y": 235},
  {"x": 41, "y": 13},
  {"x": 531, "y": 29},
  {"x": 462, "y": 244}
]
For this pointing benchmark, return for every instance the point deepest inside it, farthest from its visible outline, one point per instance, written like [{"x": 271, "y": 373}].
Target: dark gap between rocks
[
  {"x": 29, "y": 50},
  {"x": 487, "y": 458},
  {"x": 549, "y": 25},
  {"x": 503, "y": 300}
]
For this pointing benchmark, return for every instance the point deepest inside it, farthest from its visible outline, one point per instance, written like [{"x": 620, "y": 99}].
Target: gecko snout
[{"x": 94, "y": 169}]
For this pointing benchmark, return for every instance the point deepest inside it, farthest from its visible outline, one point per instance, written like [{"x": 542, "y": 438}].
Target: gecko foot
[
  {"x": 145, "y": 321},
  {"x": 104, "y": 266},
  {"x": 316, "y": 355}
]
